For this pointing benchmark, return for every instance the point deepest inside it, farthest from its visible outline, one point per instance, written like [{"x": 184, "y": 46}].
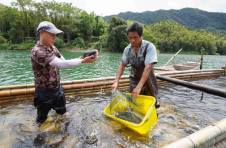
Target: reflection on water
[{"x": 181, "y": 113}]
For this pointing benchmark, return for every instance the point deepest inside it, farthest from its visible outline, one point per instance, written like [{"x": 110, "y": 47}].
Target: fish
[
  {"x": 89, "y": 53},
  {"x": 91, "y": 139},
  {"x": 129, "y": 116}
]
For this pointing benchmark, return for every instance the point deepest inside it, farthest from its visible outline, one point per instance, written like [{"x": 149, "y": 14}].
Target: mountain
[{"x": 189, "y": 17}]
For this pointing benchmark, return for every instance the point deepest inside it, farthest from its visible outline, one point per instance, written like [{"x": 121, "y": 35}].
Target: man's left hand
[{"x": 136, "y": 92}]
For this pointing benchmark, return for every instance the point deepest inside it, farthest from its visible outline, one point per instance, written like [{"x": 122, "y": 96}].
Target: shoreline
[
  {"x": 102, "y": 51},
  {"x": 68, "y": 50}
]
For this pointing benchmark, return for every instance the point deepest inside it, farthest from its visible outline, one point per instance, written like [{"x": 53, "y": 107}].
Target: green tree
[
  {"x": 22, "y": 4},
  {"x": 147, "y": 36},
  {"x": 100, "y": 26},
  {"x": 165, "y": 46},
  {"x": 79, "y": 42},
  {"x": 117, "y": 38},
  {"x": 2, "y": 40},
  {"x": 86, "y": 25}
]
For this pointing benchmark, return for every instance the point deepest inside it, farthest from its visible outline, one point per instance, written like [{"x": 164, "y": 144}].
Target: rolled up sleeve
[
  {"x": 151, "y": 56},
  {"x": 124, "y": 60}
]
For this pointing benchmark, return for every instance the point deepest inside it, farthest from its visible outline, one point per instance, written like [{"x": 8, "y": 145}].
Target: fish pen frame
[{"x": 214, "y": 135}]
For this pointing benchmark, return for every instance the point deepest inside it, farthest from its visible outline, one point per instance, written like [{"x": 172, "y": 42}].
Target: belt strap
[
  {"x": 145, "y": 50},
  {"x": 48, "y": 89}
]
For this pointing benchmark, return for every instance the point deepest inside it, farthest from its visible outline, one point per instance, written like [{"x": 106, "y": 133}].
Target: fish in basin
[{"x": 129, "y": 116}]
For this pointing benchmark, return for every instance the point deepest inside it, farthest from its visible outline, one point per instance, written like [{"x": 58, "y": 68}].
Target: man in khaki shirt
[{"x": 141, "y": 55}]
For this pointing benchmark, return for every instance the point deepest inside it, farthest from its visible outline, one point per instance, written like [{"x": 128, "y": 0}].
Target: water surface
[
  {"x": 182, "y": 113},
  {"x": 15, "y": 66}
]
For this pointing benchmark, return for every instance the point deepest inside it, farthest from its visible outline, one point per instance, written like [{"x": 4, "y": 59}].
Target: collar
[
  {"x": 39, "y": 44},
  {"x": 141, "y": 46}
]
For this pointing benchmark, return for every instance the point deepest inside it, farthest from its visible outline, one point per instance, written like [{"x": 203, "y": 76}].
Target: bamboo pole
[
  {"x": 68, "y": 83},
  {"x": 80, "y": 92},
  {"x": 191, "y": 71},
  {"x": 206, "y": 137},
  {"x": 83, "y": 92},
  {"x": 198, "y": 60},
  {"x": 15, "y": 92},
  {"x": 64, "y": 82},
  {"x": 225, "y": 70},
  {"x": 192, "y": 75},
  {"x": 22, "y": 96},
  {"x": 102, "y": 86},
  {"x": 221, "y": 144},
  {"x": 7, "y": 98},
  {"x": 201, "y": 59},
  {"x": 4, "y": 101},
  {"x": 30, "y": 98},
  {"x": 31, "y": 90},
  {"x": 173, "y": 57},
  {"x": 187, "y": 78},
  {"x": 18, "y": 99},
  {"x": 207, "y": 89}
]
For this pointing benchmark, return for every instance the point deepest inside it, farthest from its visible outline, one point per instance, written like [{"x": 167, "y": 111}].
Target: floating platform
[
  {"x": 214, "y": 135},
  {"x": 86, "y": 87}
]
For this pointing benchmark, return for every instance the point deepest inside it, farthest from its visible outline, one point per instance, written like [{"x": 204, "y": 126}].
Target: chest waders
[{"x": 150, "y": 87}]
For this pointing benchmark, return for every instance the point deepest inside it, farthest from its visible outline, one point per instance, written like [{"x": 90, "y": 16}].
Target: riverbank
[
  {"x": 107, "y": 51},
  {"x": 29, "y": 46}
]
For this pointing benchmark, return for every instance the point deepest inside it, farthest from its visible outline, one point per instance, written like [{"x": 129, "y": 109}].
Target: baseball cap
[{"x": 49, "y": 27}]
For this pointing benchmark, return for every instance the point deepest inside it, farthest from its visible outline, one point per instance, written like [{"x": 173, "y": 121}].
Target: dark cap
[{"x": 49, "y": 27}]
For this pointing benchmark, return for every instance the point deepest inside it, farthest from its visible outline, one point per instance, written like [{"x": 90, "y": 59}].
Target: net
[{"x": 122, "y": 106}]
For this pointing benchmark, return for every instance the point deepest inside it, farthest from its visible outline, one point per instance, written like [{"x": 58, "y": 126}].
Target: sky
[{"x": 114, "y": 7}]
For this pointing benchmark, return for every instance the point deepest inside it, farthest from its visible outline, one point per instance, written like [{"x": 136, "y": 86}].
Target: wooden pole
[
  {"x": 192, "y": 71},
  {"x": 225, "y": 70},
  {"x": 201, "y": 59},
  {"x": 207, "y": 89},
  {"x": 206, "y": 137},
  {"x": 173, "y": 57},
  {"x": 95, "y": 80}
]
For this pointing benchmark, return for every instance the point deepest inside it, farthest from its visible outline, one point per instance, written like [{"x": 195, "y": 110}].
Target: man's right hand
[
  {"x": 114, "y": 86},
  {"x": 90, "y": 59}
]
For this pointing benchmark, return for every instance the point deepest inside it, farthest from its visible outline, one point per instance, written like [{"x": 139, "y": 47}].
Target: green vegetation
[
  {"x": 88, "y": 31},
  {"x": 172, "y": 36},
  {"x": 117, "y": 39},
  {"x": 189, "y": 17},
  {"x": 18, "y": 24},
  {"x": 23, "y": 46}
]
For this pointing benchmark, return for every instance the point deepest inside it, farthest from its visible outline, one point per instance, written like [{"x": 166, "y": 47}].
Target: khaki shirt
[{"x": 151, "y": 56}]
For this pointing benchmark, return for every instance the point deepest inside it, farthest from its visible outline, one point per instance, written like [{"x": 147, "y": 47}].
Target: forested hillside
[
  {"x": 18, "y": 24},
  {"x": 189, "y": 17},
  {"x": 84, "y": 30},
  {"x": 172, "y": 36}
]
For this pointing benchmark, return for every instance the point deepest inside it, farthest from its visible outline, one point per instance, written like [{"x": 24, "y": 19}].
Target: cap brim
[{"x": 54, "y": 31}]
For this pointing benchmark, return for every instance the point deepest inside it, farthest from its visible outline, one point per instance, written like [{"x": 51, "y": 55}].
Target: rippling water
[
  {"x": 15, "y": 66},
  {"x": 182, "y": 111}
]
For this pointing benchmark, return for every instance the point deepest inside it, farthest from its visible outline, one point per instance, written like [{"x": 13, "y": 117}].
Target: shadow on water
[{"x": 181, "y": 114}]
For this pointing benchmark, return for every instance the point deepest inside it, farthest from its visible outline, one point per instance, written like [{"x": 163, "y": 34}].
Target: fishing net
[{"x": 122, "y": 106}]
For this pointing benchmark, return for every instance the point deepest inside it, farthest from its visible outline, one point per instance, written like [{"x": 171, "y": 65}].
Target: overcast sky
[{"x": 110, "y": 7}]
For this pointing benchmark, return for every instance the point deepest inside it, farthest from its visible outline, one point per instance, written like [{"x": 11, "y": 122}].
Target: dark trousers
[{"x": 45, "y": 100}]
